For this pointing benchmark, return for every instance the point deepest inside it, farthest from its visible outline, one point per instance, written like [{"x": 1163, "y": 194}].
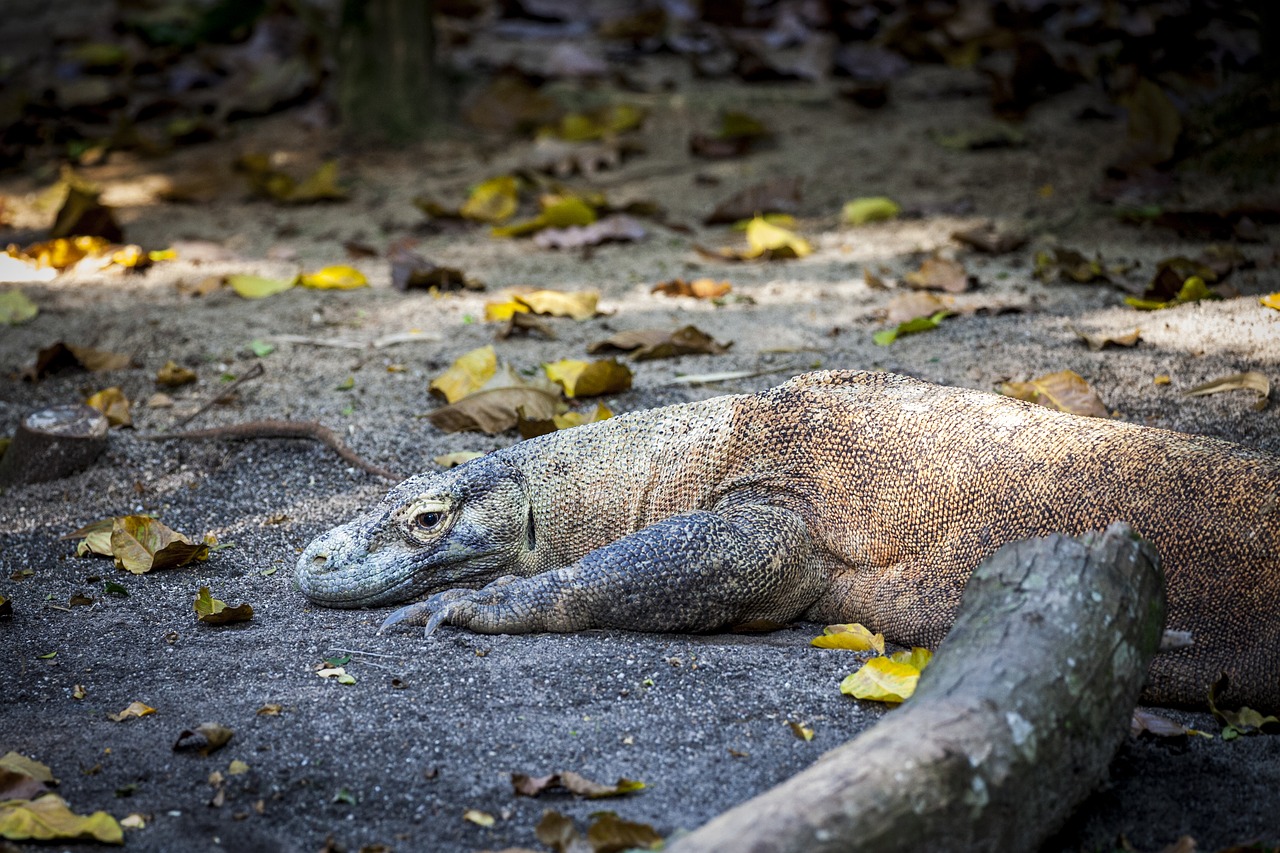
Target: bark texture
[
  {"x": 53, "y": 443},
  {"x": 1012, "y": 725}
]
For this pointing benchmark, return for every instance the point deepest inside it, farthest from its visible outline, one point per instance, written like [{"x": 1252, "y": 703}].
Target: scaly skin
[{"x": 836, "y": 497}]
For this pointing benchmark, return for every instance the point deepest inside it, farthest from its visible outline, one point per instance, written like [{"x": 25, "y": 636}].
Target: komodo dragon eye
[
  {"x": 424, "y": 517},
  {"x": 428, "y": 520}
]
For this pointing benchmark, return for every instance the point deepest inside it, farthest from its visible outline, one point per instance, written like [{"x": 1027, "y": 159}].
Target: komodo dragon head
[{"x": 461, "y": 527}]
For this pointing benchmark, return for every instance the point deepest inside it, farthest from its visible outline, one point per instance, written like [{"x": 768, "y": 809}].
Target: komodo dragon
[{"x": 836, "y": 497}]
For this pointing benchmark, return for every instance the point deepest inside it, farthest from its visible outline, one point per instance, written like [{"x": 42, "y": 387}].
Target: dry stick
[
  {"x": 252, "y": 373},
  {"x": 1012, "y": 725},
  {"x": 312, "y": 430}
]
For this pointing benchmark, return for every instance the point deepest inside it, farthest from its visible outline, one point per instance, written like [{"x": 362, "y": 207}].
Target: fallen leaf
[
  {"x": 15, "y": 762},
  {"x": 172, "y": 375},
  {"x": 113, "y": 404},
  {"x": 499, "y": 405},
  {"x": 648, "y": 344},
  {"x": 337, "y": 673},
  {"x": 609, "y": 833},
  {"x": 453, "y": 460},
  {"x": 533, "y": 428},
  {"x": 1177, "y": 281},
  {"x": 468, "y": 374},
  {"x": 989, "y": 239},
  {"x": 1102, "y": 341},
  {"x": 140, "y": 543},
  {"x": 492, "y": 201},
  {"x": 939, "y": 274},
  {"x": 589, "y": 379},
  {"x": 1154, "y": 126},
  {"x": 736, "y": 136},
  {"x": 1069, "y": 265},
  {"x": 776, "y": 195},
  {"x": 558, "y": 211},
  {"x": 50, "y": 818},
  {"x": 84, "y": 215},
  {"x": 854, "y": 636},
  {"x": 133, "y": 821},
  {"x": 15, "y": 785},
  {"x": 616, "y": 228},
  {"x": 62, "y": 356},
  {"x": 579, "y": 304},
  {"x": 271, "y": 709},
  {"x": 508, "y": 104},
  {"x": 204, "y": 738},
  {"x": 557, "y": 832},
  {"x": 258, "y": 287},
  {"x": 766, "y": 239},
  {"x": 94, "y": 538},
  {"x": 885, "y": 337},
  {"x": 882, "y": 680},
  {"x": 237, "y": 768},
  {"x": 6, "y": 608},
  {"x": 575, "y": 783},
  {"x": 605, "y": 121},
  {"x": 860, "y": 211},
  {"x": 479, "y": 818},
  {"x": 1249, "y": 381},
  {"x": 699, "y": 288},
  {"x": 269, "y": 182},
  {"x": 525, "y": 323},
  {"x": 915, "y": 656},
  {"x": 800, "y": 730},
  {"x": 134, "y": 710},
  {"x": 1154, "y": 724},
  {"x": 16, "y": 308},
  {"x": 1271, "y": 300},
  {"x": 339, "y": 277},
  {"x": 1242, "y": 722},
  {"x": 411, "y": 271},
  {"x": 1066, "y": 391},
  {"x": 214, "y": 611}
]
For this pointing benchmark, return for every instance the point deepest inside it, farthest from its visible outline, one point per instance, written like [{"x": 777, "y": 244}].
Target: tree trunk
[
  {"x": 1012, "y": 725},
  {"x": 53, "y": 443},
  {"x": 388, "y": 86}
]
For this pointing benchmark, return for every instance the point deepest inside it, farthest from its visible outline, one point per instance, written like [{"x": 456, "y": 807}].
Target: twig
[
  {"x": 377, "y": 343},
  {"x": 312, "y": 430},
  {"x": 252, "y": 373}
]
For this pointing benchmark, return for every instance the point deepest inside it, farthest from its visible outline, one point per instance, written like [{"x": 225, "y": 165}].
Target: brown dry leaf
[
  {"x": 140, "y": 543},
  {"x": 173, "y": 375},
  {"x": 1069, "y": 265},
  {"x": 617, "y": 228},
  {"x": 1154, "y": 724},
  {"x": 776, "y": 195},
  {"x": 15, "y": 762},
  {"x": 1102, "y": 341},
  {"x": 699, "y": 288},
  {"x": 214, "y": 611},
  {"x": 648, "y": 344},
  {"x": 589, "y": 379},
  {"x": 499, "y": 405},
  {"x": 49, "y": 818},
  {"x": 1248, "y": 381},
  {"x": 113, "y": 404},
  {"x": 737, "y": 135},
  {"x": 95, "y": 538},
  {"x": 1066, "y": 391},
  {"x": 534, "y": 428},
  {"x": 801, "y": 730},
  {"x": 557, "y": 832},
  {"x": 411, "y": 271},
  {"x": 609, "y": 833},
  {"x": 575, "y": 783},
  {"x": 939, "y": 274},
  {"x": 479, "y": 818},
  {"x": 467, "y": 375},
  {"x": 270, "y": 182},
  {"x": 19, "y": 786},
  {"x": 204, "y": 738},
  {"x": 62, "y": 356},
  {"x": 134, "y": 710},
  {"x": 908, "y": 306},
  {"x": 271, "y": 709},
  {"x": 83, "y": 215},
  {"x": 989, "y": 239},
  {"x": 522, "y": 322}
]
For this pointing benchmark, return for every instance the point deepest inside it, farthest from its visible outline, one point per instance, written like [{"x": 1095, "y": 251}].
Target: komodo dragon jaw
[{"x": 437, "y": 531}]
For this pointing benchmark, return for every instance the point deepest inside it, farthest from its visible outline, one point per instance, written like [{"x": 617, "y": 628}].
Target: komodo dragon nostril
[{"x": 319, "y": 561}]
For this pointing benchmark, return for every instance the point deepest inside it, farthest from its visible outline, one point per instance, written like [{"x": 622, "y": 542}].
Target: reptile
[{"x": 838, "y": 496}]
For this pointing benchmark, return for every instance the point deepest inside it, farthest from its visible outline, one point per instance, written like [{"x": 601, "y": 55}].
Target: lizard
[{"x": 838, "y": 496}]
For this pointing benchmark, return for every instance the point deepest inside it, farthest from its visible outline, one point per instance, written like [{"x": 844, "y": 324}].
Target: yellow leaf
[
  {"x": 172, "y": 375},
  {"x": 801, "y": 730},
  {"x": 214, "y": 611},
  {"x": 15, "y": 762},
  {"x": 855, "y": 636},
  {"x": 133, "y": 821},
  {"x": 48, "y": 818},
  {"x": 916, "y": 656},
  {"x": 320, "y": 185},
  {"x": 135, "y": 709},
  {"x": 764, "y": 236},
  {"x": 1066, "y": 391},
  {"x": 94, "y": 538},
  {"x": 493, "y": 200},
  {"x": 589, "y": 379},
  {"x": 500, "y": 312},
  {"x": 114, "y": 404},
  {"x": 16, "y": 308},
  {"x": 64, "y": 252},
  {"x": 573, "y": 419},
  {"x": 558, "y": 211},
  {"x": 883, "y": 680},
  {"x": 140, "y": 543},
  {"x": 237, "y": 768},
  {"x": 860, "y": 211},
  {"x": 258, "y": 287},
  {"x": 1250, "y": 381},
  {"x": 478, "y": 817},
  {"x": 1271, "y": 300},
  {"x": 466, "y": 375},
  {"x": 578, "y": 304},
  {"x": 340, "y": 277},
  {"x": 453, "y": 460}
]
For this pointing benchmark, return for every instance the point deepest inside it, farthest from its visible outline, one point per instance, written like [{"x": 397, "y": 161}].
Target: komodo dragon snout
[{"x": 434, "y": 531}]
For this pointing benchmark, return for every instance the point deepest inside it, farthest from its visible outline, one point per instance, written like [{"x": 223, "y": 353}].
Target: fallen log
[{"x": 1011, "y": 726}]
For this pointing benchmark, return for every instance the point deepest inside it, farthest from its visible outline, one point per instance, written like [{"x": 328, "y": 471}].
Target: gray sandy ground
[{"x": 433, "y": 728}]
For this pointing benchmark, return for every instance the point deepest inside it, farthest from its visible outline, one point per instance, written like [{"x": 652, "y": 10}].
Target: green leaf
[
  {"x": 261, "y": 349},
  {"x": 884, "y": 337},
  {"x": 16, "y": 308},
  {"x": 113, "y": 588},
  {"x": 860, "y": 211},
  {"x": 259, "y": 287}
]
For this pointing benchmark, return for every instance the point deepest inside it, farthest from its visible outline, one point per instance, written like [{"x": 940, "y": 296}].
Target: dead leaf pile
[{"x": 139, "y": 543}]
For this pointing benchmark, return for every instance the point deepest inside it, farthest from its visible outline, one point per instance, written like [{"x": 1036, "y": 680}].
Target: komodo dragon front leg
[{"x": 696, "y": 571}]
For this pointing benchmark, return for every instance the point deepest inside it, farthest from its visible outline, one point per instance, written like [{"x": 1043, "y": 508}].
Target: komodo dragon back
[{"x": 837, "y": 496}]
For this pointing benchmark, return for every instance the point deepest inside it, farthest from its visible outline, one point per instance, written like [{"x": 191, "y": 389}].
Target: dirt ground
[{"x": 433, "y": 728}]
